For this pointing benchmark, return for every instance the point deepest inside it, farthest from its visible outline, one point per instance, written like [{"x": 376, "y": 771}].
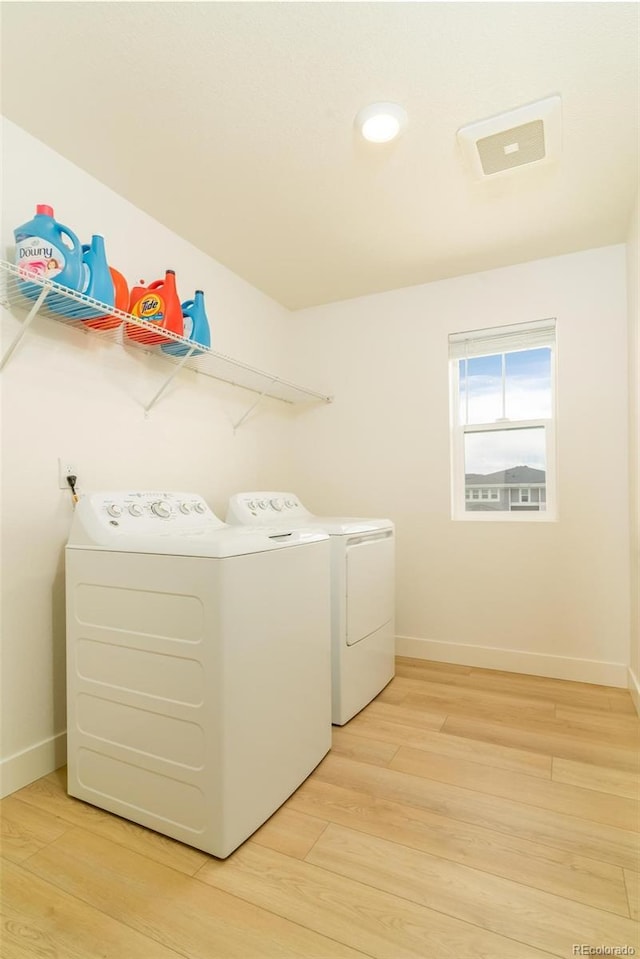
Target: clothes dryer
[
  {"x": 198, "y": 665},
  {"x": 362, "y": 592}
]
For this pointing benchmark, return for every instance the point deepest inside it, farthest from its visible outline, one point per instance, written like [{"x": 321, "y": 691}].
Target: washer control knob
[
  {"x": 162, "y": 509},
  {"x": 251, "y": 503},
  {"x": 200, "y": 508},
  {"x": 136, "y": 509},
  {"x": 185, "y": 507},
  {"x": 276, "y": 504},
  {"x": 288, "y": 503},
  {"x": 263, "y": 503},
  {"x": 114, "y": 510}
]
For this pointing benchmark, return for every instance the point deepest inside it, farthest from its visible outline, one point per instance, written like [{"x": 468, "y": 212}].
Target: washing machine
[
  {"x": 362, "y": 592},
  {"x": 198, "y": 665}
]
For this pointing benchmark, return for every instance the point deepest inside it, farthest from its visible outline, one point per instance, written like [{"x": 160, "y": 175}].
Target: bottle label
[
  {"x": 37, "y": 256},
  {"x": 150, "y": 308}
]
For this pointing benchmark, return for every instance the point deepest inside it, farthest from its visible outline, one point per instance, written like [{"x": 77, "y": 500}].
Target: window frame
[{"x": 458, "y": 432}]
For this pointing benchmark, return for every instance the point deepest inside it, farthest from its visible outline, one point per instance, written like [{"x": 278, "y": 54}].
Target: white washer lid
[
  {"x": 336, "y": 525},
  {"x": 223, "y": 543},
  {"x": 281, "y": 508}
]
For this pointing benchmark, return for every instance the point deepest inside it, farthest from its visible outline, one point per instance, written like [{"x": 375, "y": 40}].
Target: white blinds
[{"x": 502, "y": 339}]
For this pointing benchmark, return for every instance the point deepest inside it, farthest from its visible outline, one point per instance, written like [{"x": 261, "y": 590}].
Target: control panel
[
  {"x": 267, "y": 506},
  {"x": 150, "y": 513}
]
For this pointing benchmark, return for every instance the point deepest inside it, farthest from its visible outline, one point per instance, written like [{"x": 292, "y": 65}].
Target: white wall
[
  {"x": 633, "y": 285},
  {"x": 64, "y": 393},
  {"x": 549, "y": 598}
]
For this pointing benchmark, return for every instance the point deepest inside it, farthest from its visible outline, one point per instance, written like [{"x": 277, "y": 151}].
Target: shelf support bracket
[
  {"x": 168, "y": 380},
  {"x": 253, "y": 405},
  {"x": 25, "y": 326}
]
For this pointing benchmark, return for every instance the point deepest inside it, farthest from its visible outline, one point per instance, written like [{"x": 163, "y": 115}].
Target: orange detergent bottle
[
  {"x": 159, "y": 304},
  {"x": 121, "y": 296}
]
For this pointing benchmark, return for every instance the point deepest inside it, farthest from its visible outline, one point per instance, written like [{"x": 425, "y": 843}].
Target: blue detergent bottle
[
  {"x": 196, "y": 327},
  {"x": 96, "y": 277},
  {"x": 49, "y": 250}
]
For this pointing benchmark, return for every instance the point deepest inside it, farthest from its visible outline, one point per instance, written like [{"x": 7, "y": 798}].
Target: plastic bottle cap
[{"x": 45, "y": 209}]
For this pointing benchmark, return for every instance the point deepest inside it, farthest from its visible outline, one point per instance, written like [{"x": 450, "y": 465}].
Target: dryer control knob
[
  {"x": 263, "y": 503},
  {"x": 136, "y": 509},
  {"x": 162, "y": 509},
  {"x": 200, "y": 508},
  {"x": 114, "y": 510},
  {"x": 288, "y": 503},
  {"x": 276, "y": 504},
  {"x": 185, "y": 507}
]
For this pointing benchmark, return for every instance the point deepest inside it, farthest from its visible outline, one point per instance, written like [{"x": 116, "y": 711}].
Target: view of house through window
[{"x": 502, "y": 402}]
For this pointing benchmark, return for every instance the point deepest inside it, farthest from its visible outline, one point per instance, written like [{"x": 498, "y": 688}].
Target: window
[
  {"x": 475, "y": 493},
  {"x": 502, "y": 422}
]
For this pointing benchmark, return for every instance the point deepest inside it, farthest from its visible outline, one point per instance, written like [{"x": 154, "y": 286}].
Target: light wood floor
[{"x": 465, "y": 813}]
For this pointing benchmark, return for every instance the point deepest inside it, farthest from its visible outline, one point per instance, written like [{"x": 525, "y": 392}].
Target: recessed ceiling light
[{"x": 381, "y": 122}]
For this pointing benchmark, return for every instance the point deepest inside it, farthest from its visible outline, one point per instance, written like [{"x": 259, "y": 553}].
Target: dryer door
[{"x": 370, "y": 584}]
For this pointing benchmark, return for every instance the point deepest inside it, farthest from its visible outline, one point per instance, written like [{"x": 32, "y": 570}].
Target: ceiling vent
[{"x": 529, "y": 134}]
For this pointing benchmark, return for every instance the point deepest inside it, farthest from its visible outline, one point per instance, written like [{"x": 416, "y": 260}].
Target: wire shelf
[{"x": 28, "y": 295}]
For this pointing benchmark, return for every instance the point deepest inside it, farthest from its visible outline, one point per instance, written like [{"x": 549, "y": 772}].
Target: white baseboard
[
  {"x": 516, "y": 661},
  {"x": 634, "y": 689},
  {"x": 40, "y": 760}
]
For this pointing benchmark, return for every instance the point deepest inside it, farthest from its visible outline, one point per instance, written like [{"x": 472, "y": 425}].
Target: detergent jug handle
[
  {"x": 188, "y": 305},
  {"x": 75, "y": 242},
  {"x": 155, "y": 284},
  {"x": 85, "y": 247}
]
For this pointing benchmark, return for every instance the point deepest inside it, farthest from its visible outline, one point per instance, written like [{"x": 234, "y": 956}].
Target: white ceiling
[{"x": 232, "y": 123}]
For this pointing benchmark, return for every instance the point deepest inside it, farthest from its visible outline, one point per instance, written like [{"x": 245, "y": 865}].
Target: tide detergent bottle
[
  {"x": 48, "y": 250},
  {"x": 157, "y": 303},
  {"x": 196, "y": 327}
]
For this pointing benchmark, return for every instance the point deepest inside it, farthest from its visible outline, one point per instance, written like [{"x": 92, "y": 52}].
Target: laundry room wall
[
  {"x": 633, "y": 285},
  {"x": 76, "y": 396},
  {"x": 548, "y": 598}
]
